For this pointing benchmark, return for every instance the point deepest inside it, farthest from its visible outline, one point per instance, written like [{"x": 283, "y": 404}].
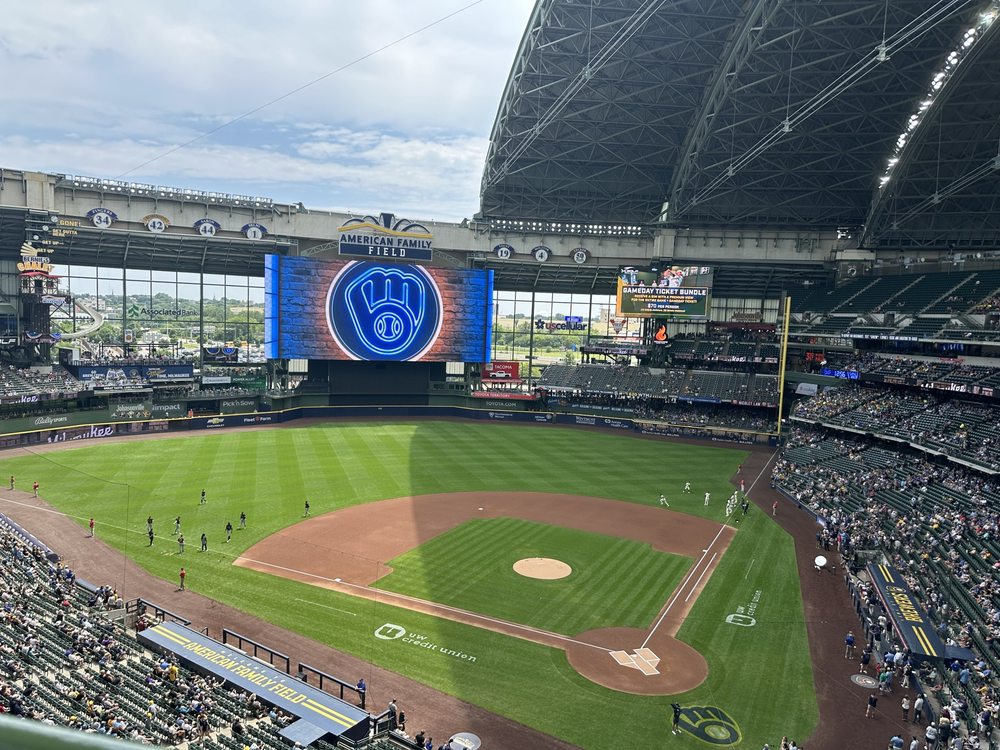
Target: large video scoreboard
[
  {"x": 364, "y": 310},
  {"x": 677, "y": 292}
]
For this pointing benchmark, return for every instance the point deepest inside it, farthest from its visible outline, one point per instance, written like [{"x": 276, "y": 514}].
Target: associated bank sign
[
  {"x": 135, "y": 311},
  {"x": 385, "y": 237}
]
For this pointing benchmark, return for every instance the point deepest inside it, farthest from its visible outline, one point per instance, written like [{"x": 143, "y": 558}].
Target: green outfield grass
[
  {"x": 615, "y": 582},
  {"x": 759, "y": 674}
]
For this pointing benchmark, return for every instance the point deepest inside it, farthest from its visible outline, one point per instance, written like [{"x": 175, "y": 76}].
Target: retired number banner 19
[{"x": 365, "y": 310}]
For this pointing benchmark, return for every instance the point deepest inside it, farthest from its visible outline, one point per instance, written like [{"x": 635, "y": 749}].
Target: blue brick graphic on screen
[
  {"x": 336, "y": 309},
  {"x": 379, "y": 312}
]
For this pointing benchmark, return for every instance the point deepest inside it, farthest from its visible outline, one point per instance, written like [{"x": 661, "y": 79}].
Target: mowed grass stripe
[
  {"x": 514, "y": 677},
  {"x": 290, "y": 480},
  {"x": 495, "y": 454},
  {"x": 397, "y": 445},
  {"x": 633, "y": 595},
  {"x": 471, "y": 567},
  {"x": 430, "y": 451},
  {"x": 325, "y": 456}
]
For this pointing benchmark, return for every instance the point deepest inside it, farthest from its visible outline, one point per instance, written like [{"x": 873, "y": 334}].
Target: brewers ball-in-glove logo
[
  {"x": 709, "y": 724},
  {"x": 378, "y": 312}
]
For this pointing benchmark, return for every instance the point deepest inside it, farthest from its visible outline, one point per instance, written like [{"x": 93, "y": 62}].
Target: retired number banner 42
[{"x": 365, "y": 310}]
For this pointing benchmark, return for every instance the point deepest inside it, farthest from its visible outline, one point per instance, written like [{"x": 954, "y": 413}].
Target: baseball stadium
[{"x": 689, "y": 437}]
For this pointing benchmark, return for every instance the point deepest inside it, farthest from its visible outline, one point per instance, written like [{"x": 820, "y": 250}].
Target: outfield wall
[{"x": 96, "y": 431}]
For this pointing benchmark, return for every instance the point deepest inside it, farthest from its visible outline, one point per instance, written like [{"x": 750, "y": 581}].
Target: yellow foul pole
[{"x": 781, "y": 361}]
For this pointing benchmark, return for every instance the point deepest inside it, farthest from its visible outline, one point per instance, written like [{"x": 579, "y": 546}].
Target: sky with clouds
[{"x": 103, "y": 89}]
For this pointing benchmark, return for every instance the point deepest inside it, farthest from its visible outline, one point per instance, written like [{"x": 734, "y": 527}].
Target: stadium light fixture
[{"x": 938, "y": 82}]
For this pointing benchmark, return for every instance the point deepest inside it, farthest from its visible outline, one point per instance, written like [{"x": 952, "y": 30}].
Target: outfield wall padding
[{"x": 271, "y": 418}]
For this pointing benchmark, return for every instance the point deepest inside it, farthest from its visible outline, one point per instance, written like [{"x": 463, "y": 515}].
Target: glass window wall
[{"x": 159, "y": 312}]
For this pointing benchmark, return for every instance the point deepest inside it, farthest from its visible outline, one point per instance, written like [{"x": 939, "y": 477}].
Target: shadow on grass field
[{"x": 759, "y": 673}]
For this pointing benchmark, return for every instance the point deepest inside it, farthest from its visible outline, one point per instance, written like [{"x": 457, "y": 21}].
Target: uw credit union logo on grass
[
  {"x": 380, "y": 312},
  {"x": 390, "y": 632}
]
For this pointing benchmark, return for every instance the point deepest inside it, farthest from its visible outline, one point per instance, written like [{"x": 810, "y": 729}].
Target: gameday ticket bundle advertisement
[{"x": 679, "y": 292}]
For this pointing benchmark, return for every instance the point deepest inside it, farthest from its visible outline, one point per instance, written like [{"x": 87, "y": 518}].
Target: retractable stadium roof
[{"x": 756, "y": 113}]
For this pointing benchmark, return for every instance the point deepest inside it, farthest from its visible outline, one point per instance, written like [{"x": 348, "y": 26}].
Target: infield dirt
[{"x": 348, "y": 550}]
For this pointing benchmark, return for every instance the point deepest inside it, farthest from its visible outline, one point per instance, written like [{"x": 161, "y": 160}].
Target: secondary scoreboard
[{"x": 678, "y": 292}]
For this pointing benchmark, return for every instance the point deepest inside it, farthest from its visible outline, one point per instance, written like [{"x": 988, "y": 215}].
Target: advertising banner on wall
[
  {"x": 588, "y": 421},
  {"x": 504, "y": 395},
  {"x": 237, "y": 405},
  {"x": 90, "y": 432},
  {"x": 245, "y": 381},
  {"x": 170, "y": 410},
  {"x": 501, "y": 370},
  {"x": 133, "y": 411},
  {"x": 95, "y": 373},
  {"x": 250, "y": 381},
  {"x": 385, "y": 236},
  {"x": 364, "y": 310}
]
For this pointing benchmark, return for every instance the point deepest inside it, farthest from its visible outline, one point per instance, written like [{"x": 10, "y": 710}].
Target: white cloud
[
  {"x": 438, "y": 179},
  {"x": 99, "y": 89}
]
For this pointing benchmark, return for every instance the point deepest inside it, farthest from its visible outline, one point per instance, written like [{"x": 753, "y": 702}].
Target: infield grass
[
  {"x": 614, "y": 581},
  {"x": 759, "y": 674}
]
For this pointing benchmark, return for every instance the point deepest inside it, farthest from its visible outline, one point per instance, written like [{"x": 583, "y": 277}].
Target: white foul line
[
  {"x": 695, "y": 587},
  {"x": 687, "y": 578},
  {"x": 326, "y": 606},
  {"x": 684, "y": 582},
  {"x": 432, "y": 605}
]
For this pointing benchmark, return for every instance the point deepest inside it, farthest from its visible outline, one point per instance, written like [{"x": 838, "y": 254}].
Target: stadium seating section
[
  {"x": 963, "y": 430},
  {"x": 935, "y": 522},
  {"x": 15, "y": 382},
  {"x": 641, "y": 381},
  {"x": 949, "y": 306},
  {"x": 65, "y": 659}
]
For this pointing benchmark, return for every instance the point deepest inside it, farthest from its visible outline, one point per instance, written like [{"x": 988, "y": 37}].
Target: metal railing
[
  {"x": 229, "y": 635},
  {"x": 305, "y": 670}
]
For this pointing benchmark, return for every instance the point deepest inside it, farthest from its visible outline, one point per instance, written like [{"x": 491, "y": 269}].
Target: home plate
[{"x": 643, "y": 659}]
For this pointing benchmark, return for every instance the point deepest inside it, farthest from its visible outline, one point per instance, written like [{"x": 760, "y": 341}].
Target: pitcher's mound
[{"x": 542, "y": 567}]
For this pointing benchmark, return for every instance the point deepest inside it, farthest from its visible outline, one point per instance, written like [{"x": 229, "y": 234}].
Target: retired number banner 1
[{"x": 366, "y": 310}]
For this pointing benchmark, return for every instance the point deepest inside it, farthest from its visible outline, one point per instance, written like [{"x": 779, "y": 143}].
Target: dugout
[
  {"x": 318, "y": 714},
  {"x": 908, "y": 619}
]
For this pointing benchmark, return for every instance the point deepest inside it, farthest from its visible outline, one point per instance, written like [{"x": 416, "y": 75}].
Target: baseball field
[{"x": 407, "y": 560}]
